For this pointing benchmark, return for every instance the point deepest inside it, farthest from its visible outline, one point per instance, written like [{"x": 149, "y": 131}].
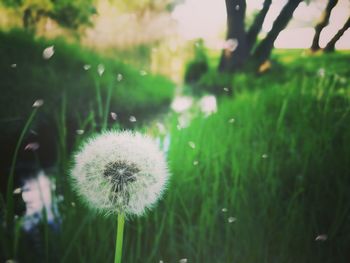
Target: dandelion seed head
[
  {"x": 87, "y": 67},
  {"x": 120, "y": 172},
  {"x": 183, "y": 260},
  {"x": 14, "y": 65},
  {"x": 224, "y": 210}
]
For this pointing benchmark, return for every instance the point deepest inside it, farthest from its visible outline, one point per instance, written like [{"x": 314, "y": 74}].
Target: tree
[
  {"x": 331, "y": 44},
  {"x": 324, "y": 21},
  {"x": 263, "y": 50},
  {"x": 236, "y": 53},
  {"x": 233, "y": 59},
  {"x": 67, "y": 13}
]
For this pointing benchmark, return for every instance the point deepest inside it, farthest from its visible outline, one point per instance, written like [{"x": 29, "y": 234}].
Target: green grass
[
  {"x": 281, "y": 169},
  {"x": 285, "y": 65},
  {"x": 64, "y": 75}
]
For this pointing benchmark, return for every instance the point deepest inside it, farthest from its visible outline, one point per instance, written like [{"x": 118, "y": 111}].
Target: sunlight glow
[{"x": 207, "y": 19}]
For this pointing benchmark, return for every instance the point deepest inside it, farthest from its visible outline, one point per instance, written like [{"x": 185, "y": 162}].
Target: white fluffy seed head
[{"x": 120, "y": 172}]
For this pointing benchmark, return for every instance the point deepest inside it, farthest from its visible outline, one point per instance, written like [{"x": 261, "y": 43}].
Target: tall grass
[
  {"x": 268, "y": 173},
  {"x": 265, "y": 186}
]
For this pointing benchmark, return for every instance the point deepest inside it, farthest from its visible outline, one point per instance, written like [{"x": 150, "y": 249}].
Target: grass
[
  {"x": 33, "y": 77},
  {"x": 281, "y": 168},
  {"x": 272, "y": 175}
]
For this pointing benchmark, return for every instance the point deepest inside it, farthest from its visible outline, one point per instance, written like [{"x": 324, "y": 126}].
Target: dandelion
[
  {"x": 120, "y": 173},
  {"x": 87, "y": 67}
]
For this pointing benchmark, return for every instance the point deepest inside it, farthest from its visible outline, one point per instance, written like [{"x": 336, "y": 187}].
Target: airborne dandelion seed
[
  {"x": 231, "y": 219},
  {"x": 114, "y": 116},
  {"x": 119, "y": 77},
  {"x": 132, "y": 119},
  {"x": 38, "y": 103},
  {"x": 79, "y": 132},
  {"x": 192, "y": 144},
  {"x": 48, "y": 52},
  {"x": 100, "y": 69}
]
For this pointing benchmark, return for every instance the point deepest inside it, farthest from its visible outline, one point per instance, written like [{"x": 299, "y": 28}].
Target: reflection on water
[{"x": 37, "y": 195}]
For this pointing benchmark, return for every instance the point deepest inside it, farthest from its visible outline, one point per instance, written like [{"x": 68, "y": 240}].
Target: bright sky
[{"x": 207, "y": 19}]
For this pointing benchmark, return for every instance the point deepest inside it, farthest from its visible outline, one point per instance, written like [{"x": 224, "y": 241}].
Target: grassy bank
[
  {"x": 265, "y": 179},
  {"x": 87, "y": 81}
]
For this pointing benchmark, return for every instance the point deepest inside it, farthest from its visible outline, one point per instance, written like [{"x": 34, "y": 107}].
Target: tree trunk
[
  {"x": 331, "y": 44},
  {"x": 235, "y": 52},
  {"x": 257, "y": 25},
  {"x": 263, "y": 50},
  {"x": 322, "y": 24}
]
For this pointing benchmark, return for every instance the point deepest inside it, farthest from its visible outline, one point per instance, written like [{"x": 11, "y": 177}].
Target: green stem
[
  {"x": 10, "y": 184},
  {"x": 119, "y": 242}
]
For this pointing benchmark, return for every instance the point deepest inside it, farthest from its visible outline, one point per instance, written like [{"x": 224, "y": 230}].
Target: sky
[{"x": 207, "y": 19}]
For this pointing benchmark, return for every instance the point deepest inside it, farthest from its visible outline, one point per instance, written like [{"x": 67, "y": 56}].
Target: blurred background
[{"x": 248, "y": 99}]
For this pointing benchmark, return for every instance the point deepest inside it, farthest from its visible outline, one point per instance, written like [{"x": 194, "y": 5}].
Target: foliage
[
  {"x": 34, "y": 77},
  {"x": 258, "y": 181},
  {"x": 284, "y": 66},
  {"x": 67, "y": 13}
]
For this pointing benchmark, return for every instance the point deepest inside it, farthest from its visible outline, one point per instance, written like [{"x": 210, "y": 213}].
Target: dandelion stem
[{"x": 119, "y": 242}]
